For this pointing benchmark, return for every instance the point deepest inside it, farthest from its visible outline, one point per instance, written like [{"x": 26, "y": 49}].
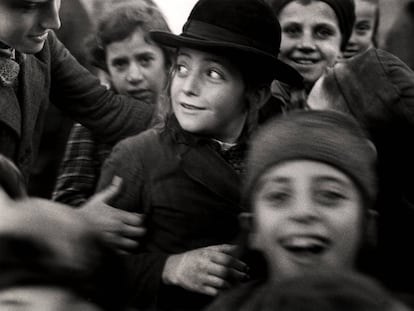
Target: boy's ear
[
  {"x": 259, "y": 96},
  {"x": 371, "y": 228},
  {"x": 246, "y": 221}
]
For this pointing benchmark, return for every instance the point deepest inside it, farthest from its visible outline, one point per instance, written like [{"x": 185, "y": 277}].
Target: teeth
[{"x": 305, "y": 244}]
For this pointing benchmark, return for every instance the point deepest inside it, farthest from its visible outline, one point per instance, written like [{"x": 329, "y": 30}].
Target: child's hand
[
  {"x": 205, "y": 270},
  {"x": 119, "y": 229}
]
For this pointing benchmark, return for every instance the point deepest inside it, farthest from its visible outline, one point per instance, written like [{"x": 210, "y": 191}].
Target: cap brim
[{"x": 276, "y": 68}]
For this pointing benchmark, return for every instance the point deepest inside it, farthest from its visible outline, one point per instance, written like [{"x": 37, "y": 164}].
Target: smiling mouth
[
  {"x": 305, "y": 245},
  {"x": 191, "y": 107},
  {"x": 301, "y": 61},
  {"x": 350, "y": 53},
  {"x": 41, "y": 37}
]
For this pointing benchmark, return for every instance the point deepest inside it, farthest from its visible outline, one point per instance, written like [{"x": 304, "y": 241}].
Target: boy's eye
[
  {"x": 120, "y": 64},
  {"x": 324, "y": 32},
  {"x": 292, "y": 30},
  {"x": 362, "y": 27},
  {"x": 215, "y": 75},
  {"x": 181, "y": 70},
  {"x": 329, "y": 198},
  {"x": 145, "y": 61},
  {"x": 277, "y": 198},
  {"x": 28, "y": 5}
]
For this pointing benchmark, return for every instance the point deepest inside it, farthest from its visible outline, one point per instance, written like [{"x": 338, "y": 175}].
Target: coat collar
[
  {"x": 33, "y": 86},
  {"x": 20, "y": 108},
  {"x": 204, "y": 165}
]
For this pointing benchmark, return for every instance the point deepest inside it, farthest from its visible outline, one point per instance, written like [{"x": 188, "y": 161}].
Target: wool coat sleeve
[
  {"x": 145, "y": 268},
  {"x": 76, "y": 91}
]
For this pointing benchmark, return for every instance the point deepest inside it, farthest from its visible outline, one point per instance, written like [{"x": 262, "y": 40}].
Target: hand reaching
[
  {"x": 119, "y": 229},
  {"x": 205, "y": 270}
]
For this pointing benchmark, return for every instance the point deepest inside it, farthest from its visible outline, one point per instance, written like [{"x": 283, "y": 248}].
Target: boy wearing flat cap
[{"x": 185, "y": 175}]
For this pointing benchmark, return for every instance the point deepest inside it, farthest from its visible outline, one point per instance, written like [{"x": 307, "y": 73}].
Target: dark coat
[
  {"x": 378, "y": 89},
  {"x": 53, "y": 75},
  {"x": 190, "y": 195}
]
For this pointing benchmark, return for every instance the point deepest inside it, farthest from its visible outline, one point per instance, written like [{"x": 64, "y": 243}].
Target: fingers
[
  {"x": 226, "y": 258},
  {"x": 109, "y": 192},
  {"x": 128, "y": 218},
  {"x": 131, "y": 231},
  {"x": 227, "y": 273},
  {"x": 120, "y": 243}
]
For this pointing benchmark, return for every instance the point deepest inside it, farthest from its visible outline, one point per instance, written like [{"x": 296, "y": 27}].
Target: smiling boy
[{"x": 47, "y": 73}]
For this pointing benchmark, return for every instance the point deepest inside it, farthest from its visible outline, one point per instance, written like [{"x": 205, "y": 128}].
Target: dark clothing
[
  {"x": 191, "y": 197},
  {"x": 53, "y": 75},
  {"x": 378, "y": 90},
  {"x": 398, "y": 40},
  {"x": 81, "y": 167}
]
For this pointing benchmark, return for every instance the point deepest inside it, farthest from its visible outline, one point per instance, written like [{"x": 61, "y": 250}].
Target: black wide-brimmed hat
[{"x": 247, "y": 29}]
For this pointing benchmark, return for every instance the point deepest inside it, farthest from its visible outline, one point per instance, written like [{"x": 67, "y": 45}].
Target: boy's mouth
[{"x": 305, "y": 245}]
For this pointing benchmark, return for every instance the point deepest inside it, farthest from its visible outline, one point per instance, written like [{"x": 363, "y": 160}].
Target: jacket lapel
[
  {"x": 205, "y": 166},
  {"x": 10, "y": 113},
  {"x": 33, "y": 90}
]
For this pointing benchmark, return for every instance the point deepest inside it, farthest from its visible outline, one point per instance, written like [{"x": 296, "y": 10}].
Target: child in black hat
[{"x": 186, "y": 174}]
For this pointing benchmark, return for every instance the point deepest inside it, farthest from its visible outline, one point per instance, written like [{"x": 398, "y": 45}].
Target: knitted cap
[
  {"x": 329, "y": 290},
  {"x": 344, "y": 10},
  {"x": 330, "y": 137}
]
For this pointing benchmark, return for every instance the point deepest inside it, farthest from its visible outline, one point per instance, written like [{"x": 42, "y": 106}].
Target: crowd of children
[{"x": 188, "y": 189}]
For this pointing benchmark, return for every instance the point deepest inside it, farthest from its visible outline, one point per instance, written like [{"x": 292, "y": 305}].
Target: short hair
[{"x": 119, "y": 22}]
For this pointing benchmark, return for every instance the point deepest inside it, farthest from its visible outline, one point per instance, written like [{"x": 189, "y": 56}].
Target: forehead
[
  {"x": 304, "y": 169},
  {"x": 315, "y": 11},
  {"x": 365, "y": 8},
  {"x": 137, "y": 38},
  {"x": 201, "y": 56}
]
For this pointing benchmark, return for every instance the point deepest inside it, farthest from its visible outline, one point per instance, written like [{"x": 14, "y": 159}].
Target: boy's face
[
  {"x": 308, "y": 215},
  {"x": 24, "y": 24},
  {"x": 42, "y": 298},
  {"x": 208, "y": 95},
  {"x": 137, "y": 67},
  {"x": 363, "y": 32},
  {"x": 311, "y": 38}
]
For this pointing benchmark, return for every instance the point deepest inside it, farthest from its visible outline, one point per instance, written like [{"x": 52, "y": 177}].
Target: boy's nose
[
  {"x": 307, "y": 42},
  {"x": 191, "y": 85},
  {"x": 134, "y": 73},
  {"x": 50, "y": 16}
]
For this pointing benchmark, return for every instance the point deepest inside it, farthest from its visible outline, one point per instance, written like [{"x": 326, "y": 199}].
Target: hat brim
[{"x": 273, "y": 66}]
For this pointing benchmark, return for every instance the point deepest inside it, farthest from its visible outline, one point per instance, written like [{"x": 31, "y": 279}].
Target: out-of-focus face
[
  {"x": 363, "y": 32},
  {"x": 137, "y": 67},
  {"x": 308, "y": 215},
  {"x": 24, "y": 24},
  {"x": 42, "y": 298},
  {"x": 311, "y": 38},
  {"x": 208, "y": 95}
]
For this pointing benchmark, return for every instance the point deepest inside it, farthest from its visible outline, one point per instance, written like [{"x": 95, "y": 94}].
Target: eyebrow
[
  {"x": 207, "y": 59},
  {"x": 328, "y": 178}
]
